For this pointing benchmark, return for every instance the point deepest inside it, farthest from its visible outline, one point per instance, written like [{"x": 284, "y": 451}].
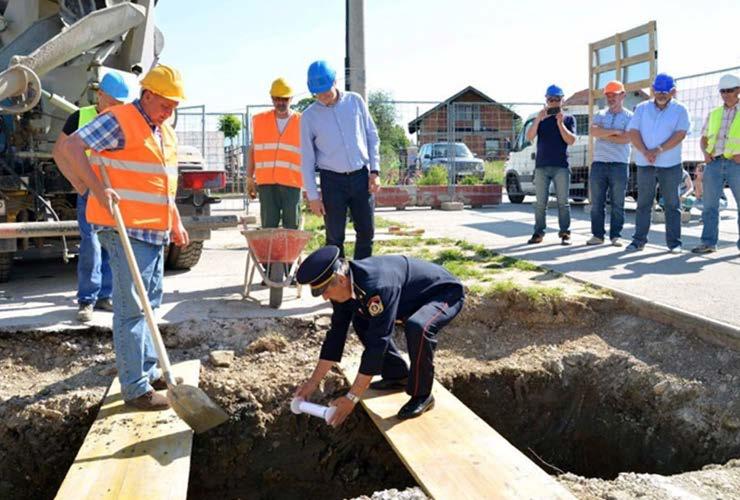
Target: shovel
[{"x": 191, "y": 404}]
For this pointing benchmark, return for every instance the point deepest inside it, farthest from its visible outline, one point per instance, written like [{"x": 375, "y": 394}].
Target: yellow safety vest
[{"x": 732, "y": 143}]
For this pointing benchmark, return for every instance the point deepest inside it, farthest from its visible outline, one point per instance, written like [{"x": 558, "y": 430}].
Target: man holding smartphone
[{"x": 554, "y": 131}]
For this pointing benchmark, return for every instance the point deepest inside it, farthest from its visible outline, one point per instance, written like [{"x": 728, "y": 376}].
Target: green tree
[
  {"x": 230, "y": 126},
  {"x": 393, "y": 139},
  {"x": 301, "y": 105}
]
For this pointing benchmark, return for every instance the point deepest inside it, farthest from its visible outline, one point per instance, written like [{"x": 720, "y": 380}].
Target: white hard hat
[{"x": 729, "y": 81}]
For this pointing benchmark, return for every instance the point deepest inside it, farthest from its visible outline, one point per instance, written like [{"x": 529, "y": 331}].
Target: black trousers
[
  {"x": 340, "y": 192},
  {"x": 421, "y": 330}
]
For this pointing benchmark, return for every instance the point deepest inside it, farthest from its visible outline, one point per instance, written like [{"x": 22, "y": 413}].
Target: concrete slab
[{"x": 42, "y": 294}]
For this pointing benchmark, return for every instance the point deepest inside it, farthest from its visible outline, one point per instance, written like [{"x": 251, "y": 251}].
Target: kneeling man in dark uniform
[{"x": 373, "y": 294}]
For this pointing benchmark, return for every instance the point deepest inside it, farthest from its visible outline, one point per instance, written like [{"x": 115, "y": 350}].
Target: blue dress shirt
[
  {"x": 339, "y": 138},
  {"x": 656, "y": 126}
]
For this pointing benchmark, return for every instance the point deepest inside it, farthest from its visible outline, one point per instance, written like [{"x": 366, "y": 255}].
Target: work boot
[
  {"x": 536, "y": 238},
  {"x": 416, "y": 406},
  {"x": 161, "y": 384},
  {"x": 389, "y": 384},
  {"x": 85, "y": 313},
  {"x": 150, "y": 401},
  {"x": 104, "y": 305}
]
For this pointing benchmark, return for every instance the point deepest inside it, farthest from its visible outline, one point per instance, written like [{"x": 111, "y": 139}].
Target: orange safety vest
[
  {"x": 276, "y": 156},
  {"x": 143, "y": 173}
]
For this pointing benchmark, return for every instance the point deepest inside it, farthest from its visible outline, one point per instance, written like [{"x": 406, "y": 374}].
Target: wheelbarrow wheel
[{"x": 277, "y": 274}]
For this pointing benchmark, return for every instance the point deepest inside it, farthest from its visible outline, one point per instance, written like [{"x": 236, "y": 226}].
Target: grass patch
[
  {"x": 449, "y": 255},
  {"x": 462, "y": 269},
  {"x": 543, "y": 294}
]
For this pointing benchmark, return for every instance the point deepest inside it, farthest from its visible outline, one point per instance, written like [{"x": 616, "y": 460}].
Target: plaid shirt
[{"x": 105, "y": 134}]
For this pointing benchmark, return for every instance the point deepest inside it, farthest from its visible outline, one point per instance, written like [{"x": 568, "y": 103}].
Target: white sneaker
[
  {"x": 676, "y": 249},
  {"x": 595, "y": 240},
  {"x": 616, "y": 242}
]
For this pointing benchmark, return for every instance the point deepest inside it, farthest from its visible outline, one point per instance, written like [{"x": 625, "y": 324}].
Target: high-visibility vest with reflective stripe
[
  {"x": 277, "y": 157},
  {"x": 86, "y": 115},
  {"x": 144, "y": 174},
  {"x": 732, "y": 142}
]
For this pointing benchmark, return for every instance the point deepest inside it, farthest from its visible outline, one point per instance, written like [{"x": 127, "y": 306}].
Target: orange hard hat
[{"x": 615, "y": 86}]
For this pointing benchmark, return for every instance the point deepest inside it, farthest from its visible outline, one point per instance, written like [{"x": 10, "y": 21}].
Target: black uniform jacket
[{"x": 386, "y": 289}]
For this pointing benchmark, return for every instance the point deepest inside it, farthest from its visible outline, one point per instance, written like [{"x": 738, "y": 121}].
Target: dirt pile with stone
[{"x": 613, "y": 405}]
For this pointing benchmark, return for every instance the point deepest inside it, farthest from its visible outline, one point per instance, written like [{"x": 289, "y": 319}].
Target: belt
[
  {"x": 718, "y": 157},
  {"x": 345, "y": 174}
]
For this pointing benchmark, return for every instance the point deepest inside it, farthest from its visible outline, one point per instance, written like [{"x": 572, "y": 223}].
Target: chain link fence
[
  {"x": 466, "y": 139},
  {"x": 197, "y": 127}
]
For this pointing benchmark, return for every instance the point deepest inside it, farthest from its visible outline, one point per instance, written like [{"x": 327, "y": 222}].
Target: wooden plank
[
  {"x": 131, "y": 454},
  {"x": 453, "y": 453}
]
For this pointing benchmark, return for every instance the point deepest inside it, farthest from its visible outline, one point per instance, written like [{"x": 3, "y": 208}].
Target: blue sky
[{"x": 230, "y": 51}]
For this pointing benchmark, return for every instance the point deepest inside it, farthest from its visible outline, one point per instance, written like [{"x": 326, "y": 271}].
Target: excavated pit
[{"x": 577, "y": 385}]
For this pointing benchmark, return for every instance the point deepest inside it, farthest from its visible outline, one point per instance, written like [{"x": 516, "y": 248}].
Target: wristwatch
[
  {"x": 376, "y": 172},
  {"x": 352, "y": 397}
]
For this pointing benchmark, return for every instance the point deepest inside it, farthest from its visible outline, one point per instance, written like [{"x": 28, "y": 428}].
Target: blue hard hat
[
  {"x": 318, "y": 269},
  {"x": 663, "y": 83},
  {"x": 115, "y": 86},
  {"x": 554, "y": 91},
  {"x": 321, "y": 77}
]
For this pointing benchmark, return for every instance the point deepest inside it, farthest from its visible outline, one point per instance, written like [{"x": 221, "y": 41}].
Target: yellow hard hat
[
  {"x": 280, "y": 88},
  {"x": 164, "y": 81}
]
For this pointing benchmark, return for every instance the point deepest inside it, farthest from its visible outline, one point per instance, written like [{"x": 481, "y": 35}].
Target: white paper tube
[{"x": 299, "y": 405}]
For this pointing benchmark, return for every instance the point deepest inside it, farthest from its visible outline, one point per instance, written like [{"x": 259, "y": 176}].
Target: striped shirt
[
  {"x": 105, "y": 134},
  {"x": 728, "y": 116},
  {"x": 607, "y": 151}
]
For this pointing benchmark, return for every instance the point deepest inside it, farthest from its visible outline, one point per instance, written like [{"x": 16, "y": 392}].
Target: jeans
[
  {"x": 669, "y": 179},
  {"x": 560, "y": 176},
  {"x": 716, "y": 173},
  {"x": 94, "y": 279},
  {"x": 340, "y": 192},
  {"x": 278, "y": 203},
  {"x": 136, "y": 358},
  {"x": 609, "y": 176}
]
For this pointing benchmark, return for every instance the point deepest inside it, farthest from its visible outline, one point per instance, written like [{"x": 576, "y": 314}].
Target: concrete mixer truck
[{"x": 53, "y": 54}]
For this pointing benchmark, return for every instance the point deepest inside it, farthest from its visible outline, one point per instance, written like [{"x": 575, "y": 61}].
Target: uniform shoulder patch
[{"x": 375, "y": 305}]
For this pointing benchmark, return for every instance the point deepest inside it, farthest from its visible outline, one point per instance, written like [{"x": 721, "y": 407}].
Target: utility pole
[{"x": 354, "y": 61}]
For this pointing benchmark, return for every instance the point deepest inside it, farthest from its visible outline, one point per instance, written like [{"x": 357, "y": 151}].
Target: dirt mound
[{"x": 580, "y": 387}]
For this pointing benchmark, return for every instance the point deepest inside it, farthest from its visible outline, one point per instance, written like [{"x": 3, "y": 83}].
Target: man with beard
[
  {"x": 274, "y": 160},
  {"x": 657, "y": 130}
]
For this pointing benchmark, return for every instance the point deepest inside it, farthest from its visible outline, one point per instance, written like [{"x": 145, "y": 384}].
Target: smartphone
[{"x": 553, "y": 111}]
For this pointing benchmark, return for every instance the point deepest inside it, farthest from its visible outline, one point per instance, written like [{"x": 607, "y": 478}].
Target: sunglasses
[
  {"x": 662, "y": 93},
  {"x": 554, "y": 99},
  {"x": 728, "y": 91}
]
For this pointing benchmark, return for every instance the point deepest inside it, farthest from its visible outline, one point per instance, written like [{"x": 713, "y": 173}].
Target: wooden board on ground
[
  {"x": 133, "y": 454},
  {"x": 452, "y": 453}
]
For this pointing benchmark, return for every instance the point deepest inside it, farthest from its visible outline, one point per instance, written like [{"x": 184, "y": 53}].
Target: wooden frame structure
[{"x": 620, "y": 65}]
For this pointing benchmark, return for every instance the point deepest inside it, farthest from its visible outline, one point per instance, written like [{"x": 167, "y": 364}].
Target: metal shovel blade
[{"x": 195, "y": 408}]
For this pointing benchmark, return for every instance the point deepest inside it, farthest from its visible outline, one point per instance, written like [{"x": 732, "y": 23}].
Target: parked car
[{"x": 463, "y": 163}]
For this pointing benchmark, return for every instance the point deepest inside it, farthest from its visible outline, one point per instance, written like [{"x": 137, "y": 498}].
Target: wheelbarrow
[{"x": 276, "y": 254}]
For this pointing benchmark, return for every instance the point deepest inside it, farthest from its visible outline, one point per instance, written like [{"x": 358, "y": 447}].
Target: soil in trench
[{"x": 584, "y": 390}]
